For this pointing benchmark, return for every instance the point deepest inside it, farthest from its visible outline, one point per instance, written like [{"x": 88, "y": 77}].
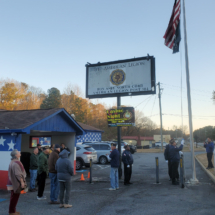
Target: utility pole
[{"x": 161, "y": 125}]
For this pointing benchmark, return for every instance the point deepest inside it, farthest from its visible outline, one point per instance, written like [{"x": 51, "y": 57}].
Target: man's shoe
[
  {"x": 18, "y": 213},
  {"x": 56, "y": 203},
  {"x": 41, "y": 198},
  {"x": 61, "y": 206},
  {"x": 208, "y": 168},
  {"x": 175, "y": 183},
  {"x": 67, "y": 206},
  {"x": 117, "y": 188},
  {"x": 112, "y": 188},
  {"x": 126, "y": 184},
  {"x": 130, "y": 183}
]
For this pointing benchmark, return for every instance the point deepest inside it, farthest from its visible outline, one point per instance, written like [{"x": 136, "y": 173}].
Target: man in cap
[
  {"x": 39, "y": 148},
  {"x": 43, "y": 171},
  {"x": 54, "y": 192},
  {"x": 64, "y": 147},
  {"x": 175, "y": 158},
  {"x": 114, "y": 175},
  {"x": 127, "y": 159}
]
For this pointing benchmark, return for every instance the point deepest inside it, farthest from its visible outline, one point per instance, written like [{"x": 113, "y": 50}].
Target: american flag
[{"x": 172, "y": 36}]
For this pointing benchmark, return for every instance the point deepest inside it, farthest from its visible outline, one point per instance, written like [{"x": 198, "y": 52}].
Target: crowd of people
[{"x": 45, "y": 162}]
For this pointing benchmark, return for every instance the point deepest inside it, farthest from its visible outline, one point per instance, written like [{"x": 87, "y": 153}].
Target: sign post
[{"x": 119, "y": 140}]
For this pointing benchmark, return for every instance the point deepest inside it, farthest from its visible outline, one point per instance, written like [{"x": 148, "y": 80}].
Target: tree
[
  {"x": 9, "y": 96},
  {"x": 52, "y": 100}
]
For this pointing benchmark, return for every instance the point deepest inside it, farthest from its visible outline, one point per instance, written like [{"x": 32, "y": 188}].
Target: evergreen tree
[{"x": 52, "y": 100}]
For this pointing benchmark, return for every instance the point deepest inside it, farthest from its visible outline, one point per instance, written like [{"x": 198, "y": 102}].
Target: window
[
  {"x": 78, "y": 148},
  {"x": 95, "y": 146},
  {"x": 89, "y": 149},
  {"x": 104, "y": 147}
]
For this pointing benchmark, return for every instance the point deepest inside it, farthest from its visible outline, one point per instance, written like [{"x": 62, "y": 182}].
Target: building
[
  {"x": 23, "y": 129},
  {"x": 166, "y": 138},
  {"x": 91, "y": 133},
  {"x": 139, "y": 141}
]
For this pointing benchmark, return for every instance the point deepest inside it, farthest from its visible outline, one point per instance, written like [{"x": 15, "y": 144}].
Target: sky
[{"x": 47, "y": 44}]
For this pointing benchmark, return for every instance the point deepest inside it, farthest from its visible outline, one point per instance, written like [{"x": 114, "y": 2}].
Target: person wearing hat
[
  {"x": 43, "y": 171},
  {"x": 174, "y": 159},
  {"x": 127, "y": 159},
  {"x": 54, "y": 188},
  {"x": 114, "y": 175},
  {"x": 39, "y": 148}
]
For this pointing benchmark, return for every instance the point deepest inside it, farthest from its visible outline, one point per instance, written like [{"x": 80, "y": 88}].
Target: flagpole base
[{"x": 194, "y": 181}]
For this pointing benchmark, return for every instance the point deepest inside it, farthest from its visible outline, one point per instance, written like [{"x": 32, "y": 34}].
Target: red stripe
[{"x": 3, "y": 179}]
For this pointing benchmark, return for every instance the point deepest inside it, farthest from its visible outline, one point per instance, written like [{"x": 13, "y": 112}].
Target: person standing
[
  {"x": 127, "y": 159},
  {"x": 33, "y": 169},
  {"x": 52, "y": 148},
  {"x": 54, "y": 192},
  {"x": 114, "y": 175},
  {"x": 42, "y": 172},
  {"x": 64, "y": 175},
  {"x": 16, "y": 180},
  {"x": 174, "y": 159},
  {"x": 209, "y": 145},
  {"x": 39, "y": 148},
  {"x": 64, "y": 147},
  {"x": 167, "y": 158}
]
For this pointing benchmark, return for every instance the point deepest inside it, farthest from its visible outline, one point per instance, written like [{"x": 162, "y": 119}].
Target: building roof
[
  {"x": 89, "y": 128},
  {"x": 20, "y": 119},
  {"x": 23, "y": 120}
]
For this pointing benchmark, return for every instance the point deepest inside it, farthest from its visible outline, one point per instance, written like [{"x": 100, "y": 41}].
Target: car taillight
[{"x": 87, "y": 153}]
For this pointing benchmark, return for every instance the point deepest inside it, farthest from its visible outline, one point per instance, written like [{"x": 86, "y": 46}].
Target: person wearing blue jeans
[
  {"x": 33, "y": 169},
  {"x": 114, "y": 176},
  {"x": 54, "y": 188}
]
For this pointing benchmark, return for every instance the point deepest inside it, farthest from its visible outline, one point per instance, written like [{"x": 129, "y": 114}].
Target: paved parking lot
[{"x": 143, "y": 197}]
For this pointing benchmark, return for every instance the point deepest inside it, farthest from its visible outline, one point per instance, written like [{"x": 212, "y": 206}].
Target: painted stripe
[
  {"x": 5, "y": 160},
  {"x": 3, "y": 179}
]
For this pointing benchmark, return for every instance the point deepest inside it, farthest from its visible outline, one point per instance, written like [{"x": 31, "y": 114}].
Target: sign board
[
  {"x": 123, "y": 116},
  {"x": 121, "y": 78}
]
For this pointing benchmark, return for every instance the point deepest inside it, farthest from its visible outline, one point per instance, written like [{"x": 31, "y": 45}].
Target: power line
[{"x": 144, "y": 100}]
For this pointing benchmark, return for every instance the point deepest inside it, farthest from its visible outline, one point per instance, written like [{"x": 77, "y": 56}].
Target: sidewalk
[{"x": 202, "y": 160}]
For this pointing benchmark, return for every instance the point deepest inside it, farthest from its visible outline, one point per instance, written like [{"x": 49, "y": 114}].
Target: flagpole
[{"x": 194, "y": 179}]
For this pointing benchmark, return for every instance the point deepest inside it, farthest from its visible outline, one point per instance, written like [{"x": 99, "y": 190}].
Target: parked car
[
  {"x": 83, "y": 155},
  {"x": 158, "y": 144},
  {"x": 103, "y": 150}
]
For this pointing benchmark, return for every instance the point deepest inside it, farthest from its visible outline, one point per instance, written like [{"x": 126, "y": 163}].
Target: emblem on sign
[
  {"x": 117, "y": 77},
  {"x": 127, "y": 115}
]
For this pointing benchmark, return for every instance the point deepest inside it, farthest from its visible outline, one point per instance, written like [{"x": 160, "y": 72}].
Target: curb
[{"x": 207, "y": 172}]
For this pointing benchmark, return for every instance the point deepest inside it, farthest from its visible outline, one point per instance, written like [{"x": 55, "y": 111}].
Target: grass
[
  {"x": 203, "y": 159},
  {"x": 158, "y": 150}
]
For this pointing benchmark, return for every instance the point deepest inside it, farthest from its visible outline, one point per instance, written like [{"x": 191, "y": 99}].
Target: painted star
[
  {"x": 2, "y": 141},
  {"x": 11, "y": 145}
]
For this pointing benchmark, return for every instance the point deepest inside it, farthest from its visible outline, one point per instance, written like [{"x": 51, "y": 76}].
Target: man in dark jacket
[
  {"x": 39, "y": 148},
  {"x": 54, "y": 188},
  {"x": 209, "y": 145},
  {"x": 167, "y": 158},
  {"x": 64, "y": 147},
  {"x": 127, "y": 159},
  {"x": 114, "y": 175},
  {"x": 64, "y": 175},
  {"x": 33, "y": 169},
  {"x": 174, "y": 159},
  {"x": 43, "y": 171}
]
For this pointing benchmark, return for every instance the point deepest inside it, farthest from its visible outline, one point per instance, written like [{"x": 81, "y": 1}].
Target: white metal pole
[
  {"x": 194, "y": 179},
  {"x": 161, "y": 126}
]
